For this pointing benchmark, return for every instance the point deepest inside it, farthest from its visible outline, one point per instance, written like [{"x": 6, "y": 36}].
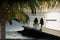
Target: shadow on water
[{"x": 37, "y": 34}]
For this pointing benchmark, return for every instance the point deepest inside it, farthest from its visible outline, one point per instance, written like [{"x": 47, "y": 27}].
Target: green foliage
[
  {"x": 18, "y": 14},
  {"x": 9, "y": 9}
]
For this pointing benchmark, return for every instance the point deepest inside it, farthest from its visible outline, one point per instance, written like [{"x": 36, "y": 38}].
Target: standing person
[
  {"x": 36, "y": 20},
  {"x": 35, "y": 23},
  {"x": 42, "y": 23}
]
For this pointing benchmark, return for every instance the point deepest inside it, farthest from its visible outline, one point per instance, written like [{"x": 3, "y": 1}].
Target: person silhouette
[
  {"x": 36, "y": 20},
  {"x": 42, "y": 23},
  {"x": 35, "y": 23}
]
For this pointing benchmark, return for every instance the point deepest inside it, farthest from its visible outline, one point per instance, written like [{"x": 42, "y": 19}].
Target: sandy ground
[{"x": 51, "y": 31}]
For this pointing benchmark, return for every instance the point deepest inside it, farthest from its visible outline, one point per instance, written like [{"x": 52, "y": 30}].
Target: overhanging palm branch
[{"x": 19, "y": 14}]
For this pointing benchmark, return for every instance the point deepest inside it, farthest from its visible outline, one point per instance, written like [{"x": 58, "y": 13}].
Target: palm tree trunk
[{"x": 2, "y": 30}]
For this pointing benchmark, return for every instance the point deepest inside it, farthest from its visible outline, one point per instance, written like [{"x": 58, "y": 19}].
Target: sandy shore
[{"x": 51, "y": 31}]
